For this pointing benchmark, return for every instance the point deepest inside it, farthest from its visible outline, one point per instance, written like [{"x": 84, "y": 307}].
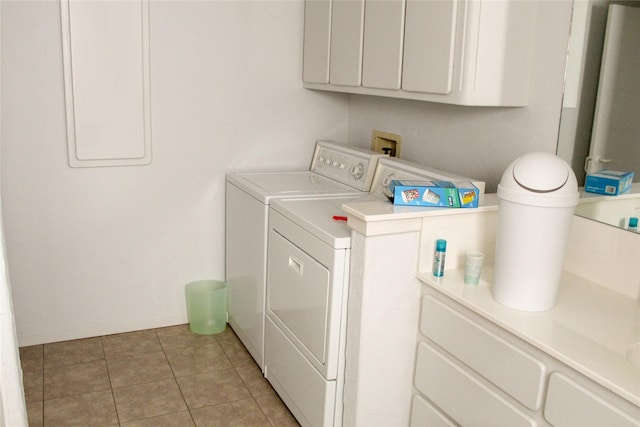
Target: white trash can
[{"x": 537, "y": 197}]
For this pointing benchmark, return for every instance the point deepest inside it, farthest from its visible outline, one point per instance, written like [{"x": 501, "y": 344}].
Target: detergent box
[
  {"x": 444, "y": 194},
  {"x": 608, "y": 182}
]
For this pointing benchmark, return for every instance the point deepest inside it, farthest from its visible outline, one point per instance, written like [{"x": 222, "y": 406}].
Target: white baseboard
[{"x": 99, "y": 330}]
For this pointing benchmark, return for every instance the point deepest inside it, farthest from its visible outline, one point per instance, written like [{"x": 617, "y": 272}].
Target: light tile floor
[{"x": 157, "y": 377}]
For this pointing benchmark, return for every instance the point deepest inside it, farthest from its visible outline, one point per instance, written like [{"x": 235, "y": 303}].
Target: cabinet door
[
  {"x": 429, "y": 40},
  {"x": 347, "y": 22},
  {"x": 383, "y": 37},
  {"x": 317, "y": 37}
]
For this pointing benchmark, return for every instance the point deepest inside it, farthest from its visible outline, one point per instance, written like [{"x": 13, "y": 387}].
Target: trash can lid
[
  {"x": 540, "y": 172},
  {"x": 539, "y": 179}
]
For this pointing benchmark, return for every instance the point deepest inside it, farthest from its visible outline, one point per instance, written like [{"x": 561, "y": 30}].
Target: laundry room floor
[{"x": 156, "y": 377}]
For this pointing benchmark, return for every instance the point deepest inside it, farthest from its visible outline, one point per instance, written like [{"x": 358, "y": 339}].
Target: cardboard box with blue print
[
  {"x": 608, "y": 182},
  {"x": 445, "y": 194}
]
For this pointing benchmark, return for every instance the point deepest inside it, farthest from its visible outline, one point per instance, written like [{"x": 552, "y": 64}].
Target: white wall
[
  {"x": 103, "y": 250},
  {"x": 106, "y": 250},
  {"x": 13, "y": 411},
  {"x": 473, "y": 141}
]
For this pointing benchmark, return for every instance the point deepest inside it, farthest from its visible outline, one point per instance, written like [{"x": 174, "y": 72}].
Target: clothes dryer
[{"x": 308, "y": 267}]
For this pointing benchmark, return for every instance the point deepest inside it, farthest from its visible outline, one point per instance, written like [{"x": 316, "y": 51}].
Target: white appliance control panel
[
  {"x": 345, "y": 163},
  {"x": 390, "y": 169}
]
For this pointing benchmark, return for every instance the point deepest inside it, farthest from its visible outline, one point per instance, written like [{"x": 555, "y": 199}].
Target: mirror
[{"x": 588, "y": 105}]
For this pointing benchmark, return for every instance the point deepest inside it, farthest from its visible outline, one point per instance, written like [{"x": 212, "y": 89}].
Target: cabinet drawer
[
  {"x": 424, "y": 414},
  {"x": 511, "y": 369},
  {"x": 463, "y": 397},
  {"x": 569, "y": 403}
]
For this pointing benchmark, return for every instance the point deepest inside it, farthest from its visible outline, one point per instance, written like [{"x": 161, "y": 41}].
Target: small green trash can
[{"x": 207, "y": 306}]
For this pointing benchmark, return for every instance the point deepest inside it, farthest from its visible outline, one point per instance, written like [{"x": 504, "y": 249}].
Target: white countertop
[
  {"x": 370, "y": 216},
  {"x": 589, "y": 329}
]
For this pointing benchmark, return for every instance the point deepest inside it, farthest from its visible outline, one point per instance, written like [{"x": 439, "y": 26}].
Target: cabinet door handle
[{"x": 601, "y": 160}]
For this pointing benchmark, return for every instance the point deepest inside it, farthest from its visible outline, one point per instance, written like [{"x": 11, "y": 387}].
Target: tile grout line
[
  {"x": 245, "y": 383},
  {"x": 113, "y": 396},
  {"x": 235, "y": 369},
  {"x": 42, "y": 386},
  {"x": 174, "y": 376}
]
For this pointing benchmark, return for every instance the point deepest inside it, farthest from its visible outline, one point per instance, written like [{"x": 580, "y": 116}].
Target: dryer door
[{"x": 298, "y": 297}]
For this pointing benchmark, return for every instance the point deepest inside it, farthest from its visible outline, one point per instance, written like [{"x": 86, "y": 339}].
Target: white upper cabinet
[
  {"x": 430, "y": 34},
  {"x": 317, "y": 36},
  {"x": 347, "y": 23},
  {"x": 465, "y": 52},
  {"x": 382, "y": 54}
]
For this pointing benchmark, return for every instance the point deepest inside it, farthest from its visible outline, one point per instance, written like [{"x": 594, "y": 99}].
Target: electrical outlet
[{"x": 387, "y": 143}]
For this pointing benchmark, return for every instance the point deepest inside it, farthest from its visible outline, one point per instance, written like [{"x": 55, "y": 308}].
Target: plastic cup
[{"x": 472, "y": 267}]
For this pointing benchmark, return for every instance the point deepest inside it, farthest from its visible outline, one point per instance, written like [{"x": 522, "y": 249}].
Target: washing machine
[
  {"x": 307, "y": 286},
  {"x": 336, "y": 169}
]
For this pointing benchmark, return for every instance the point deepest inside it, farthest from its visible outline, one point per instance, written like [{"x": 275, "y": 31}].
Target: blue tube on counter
[{"x": 438, "y": 257}]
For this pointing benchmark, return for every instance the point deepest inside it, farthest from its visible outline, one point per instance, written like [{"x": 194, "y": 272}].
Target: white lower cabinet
[
  {"x": 425, "y": 414},
  {"x": 471, "y": 372},
  {"x": 502, "y": 363},
  {"x": 569, "y": 403},
  {"x": 460, "y": 394}
]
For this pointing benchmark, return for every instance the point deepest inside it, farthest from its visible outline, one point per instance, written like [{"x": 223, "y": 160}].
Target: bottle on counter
[
  {"x": 438, "y": 257},
  {"x": 633, "y": 224}
]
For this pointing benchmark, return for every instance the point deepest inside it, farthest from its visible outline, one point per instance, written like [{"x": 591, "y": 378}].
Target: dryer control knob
[{"x": 357, "y": 171}]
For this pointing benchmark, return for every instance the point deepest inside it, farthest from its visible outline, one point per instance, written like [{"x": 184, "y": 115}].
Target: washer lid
[
  {"x": 541, "y": 172},
  {"x": 265, "y": 186}
]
